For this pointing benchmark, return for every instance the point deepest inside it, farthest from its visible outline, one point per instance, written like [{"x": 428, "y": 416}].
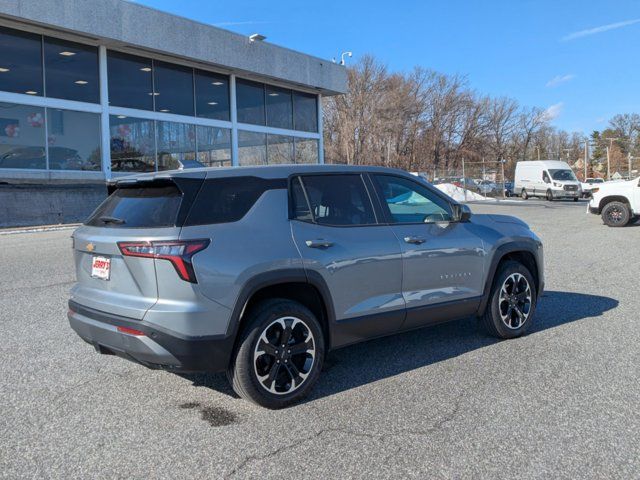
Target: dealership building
[{"x": 95, "y": 89}]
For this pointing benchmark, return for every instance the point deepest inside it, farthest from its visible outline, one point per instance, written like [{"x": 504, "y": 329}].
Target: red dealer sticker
[{"x": 101, "y": 267}]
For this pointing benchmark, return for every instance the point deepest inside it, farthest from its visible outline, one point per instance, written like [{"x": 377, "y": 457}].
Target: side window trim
[
  {"x": 387, "y": 210},
  {"x": 367, "y": 188}
]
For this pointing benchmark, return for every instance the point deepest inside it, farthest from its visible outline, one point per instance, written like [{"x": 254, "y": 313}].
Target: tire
[
  {"x": 500, "y": 319},
  {"x": 549, "y": 196},
  {"x": 524, "y": 194},
  {"x": 250, "y": 367},
  {"x": 616, "y": 214}
]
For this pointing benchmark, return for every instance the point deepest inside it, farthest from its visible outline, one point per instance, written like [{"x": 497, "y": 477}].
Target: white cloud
[
  {"x": 554, "y": 111},
  {"x": 558, "y": 79},
  {"x": 600, "y": 29}
]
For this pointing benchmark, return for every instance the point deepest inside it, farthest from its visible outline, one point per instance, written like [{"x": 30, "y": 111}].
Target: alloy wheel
[
  {"x": 615, "y": 214},
  {"x": 515, "y": 301},
  {"x": 284, "y": 355}
]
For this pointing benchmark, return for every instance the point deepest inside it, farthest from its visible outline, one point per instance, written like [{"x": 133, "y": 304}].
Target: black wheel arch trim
[
  {"x": 278, "y": 277},
  {"x": 525, "y": 245}
]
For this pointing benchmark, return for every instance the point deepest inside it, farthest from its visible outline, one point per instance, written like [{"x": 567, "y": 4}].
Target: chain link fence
[{"x": 473, "y": 180}]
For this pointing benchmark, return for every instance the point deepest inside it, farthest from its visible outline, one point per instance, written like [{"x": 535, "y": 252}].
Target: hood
[
  {"x": 491, "y": 219},
  {"x": 611, "y": 187}
]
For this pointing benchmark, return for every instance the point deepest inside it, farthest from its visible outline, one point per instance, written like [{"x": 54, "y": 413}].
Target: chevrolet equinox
[{"x": 260, "y": 271}]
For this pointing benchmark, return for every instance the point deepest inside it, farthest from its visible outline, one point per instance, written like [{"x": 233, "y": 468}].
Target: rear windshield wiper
[{"x": 115, "y": 220}]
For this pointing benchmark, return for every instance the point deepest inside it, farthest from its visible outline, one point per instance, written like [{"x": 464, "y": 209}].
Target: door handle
[
  {"x": 318, "y": 243},
  {"x": 414, "y": 240}
]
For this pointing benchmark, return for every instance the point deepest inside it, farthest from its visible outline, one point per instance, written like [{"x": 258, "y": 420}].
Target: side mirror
[
  {"x": 462, "y": 213},
  {"x": 546, "y": 180}
]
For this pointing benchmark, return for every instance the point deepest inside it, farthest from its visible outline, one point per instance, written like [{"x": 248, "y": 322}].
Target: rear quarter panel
[{"x": 258, "y": 243}]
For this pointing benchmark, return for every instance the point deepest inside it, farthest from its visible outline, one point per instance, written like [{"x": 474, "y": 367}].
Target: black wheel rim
[
  {"x": 515, "y": 301},
  {"x": 284, "y": 355},
  {"x": 615, "y": 214}
]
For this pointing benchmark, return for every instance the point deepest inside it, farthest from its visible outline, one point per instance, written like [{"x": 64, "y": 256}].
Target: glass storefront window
[
  {"x": 71, "y": 70},
  {"x": 279, "y": 108},
  {"x": 173, "y": 88},
  {"x": 176, "y": 145},
  {"x": 212, "y": 95},
  {"x": 250, "y": 102},
  {"x": 22, "y": 136},
  {"x": 214, "y": 146},
  {"x": 20, "y": 62},
  {"x": 130, "y": 81},
  {"x": 279, "y": 149},
  {"x": 305, "y": 112},
  {"x": 74, "y": 140},
  {"x": 252, "y": 148},
  {"x": 306, "y": 150},
  {"x": 133, "y": 146}
]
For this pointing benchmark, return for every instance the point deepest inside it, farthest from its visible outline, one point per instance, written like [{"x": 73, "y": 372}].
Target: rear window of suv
[{"x": 139, "y": 207}]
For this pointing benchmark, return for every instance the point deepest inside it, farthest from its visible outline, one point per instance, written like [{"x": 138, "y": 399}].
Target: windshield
[{"x": 562, "y": 174}]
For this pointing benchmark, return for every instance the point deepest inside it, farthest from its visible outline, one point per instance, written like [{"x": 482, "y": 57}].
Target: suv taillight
[{"x": 178, "y": 252}]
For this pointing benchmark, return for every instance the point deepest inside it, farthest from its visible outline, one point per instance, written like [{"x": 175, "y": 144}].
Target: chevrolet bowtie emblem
[{"x": 90, "y": 247}]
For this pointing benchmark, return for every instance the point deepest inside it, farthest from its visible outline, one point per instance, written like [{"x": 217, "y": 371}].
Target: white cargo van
[{"x": 551, "y": 179}]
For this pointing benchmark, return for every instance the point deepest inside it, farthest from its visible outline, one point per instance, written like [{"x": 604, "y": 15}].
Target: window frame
[
  {"x": 386, "y": 211},
  {"x": 299, "y": 176}
]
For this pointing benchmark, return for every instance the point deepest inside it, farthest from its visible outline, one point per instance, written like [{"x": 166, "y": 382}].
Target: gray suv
[{"x": 259, "y": 272}]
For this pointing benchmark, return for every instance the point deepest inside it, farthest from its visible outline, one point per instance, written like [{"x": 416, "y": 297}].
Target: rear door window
[
  {"x": 338, "y": 200},
  {"x": 139, "y": 207}
]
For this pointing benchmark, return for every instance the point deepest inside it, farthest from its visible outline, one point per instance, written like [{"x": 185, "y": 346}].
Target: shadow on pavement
[{"x": 374, "y": 360}]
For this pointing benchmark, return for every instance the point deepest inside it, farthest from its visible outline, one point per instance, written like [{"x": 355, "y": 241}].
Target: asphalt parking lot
[{"x": 444, "y": 402}]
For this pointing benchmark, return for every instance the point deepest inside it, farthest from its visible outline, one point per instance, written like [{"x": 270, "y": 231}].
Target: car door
[
  {"x": 335, "y": 228},
  {"x": 443, "y": 259}
]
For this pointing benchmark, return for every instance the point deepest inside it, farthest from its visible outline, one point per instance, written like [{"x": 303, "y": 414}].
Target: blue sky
[{"x": 579, "y": 58}]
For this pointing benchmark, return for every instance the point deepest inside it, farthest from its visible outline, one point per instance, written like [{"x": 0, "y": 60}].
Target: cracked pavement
[{"x": 443, "y": 402}]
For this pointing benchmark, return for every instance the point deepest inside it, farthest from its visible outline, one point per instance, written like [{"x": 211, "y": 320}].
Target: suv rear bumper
[{"x": 157, "y": 348}]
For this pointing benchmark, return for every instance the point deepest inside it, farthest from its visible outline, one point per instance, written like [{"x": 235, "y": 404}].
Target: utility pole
[
  {"x": 464, "y": 180},
  {"x": 503, "y": 185},
  {"x": 586, "y": 158},
  {"x": 611, "y": 140}
]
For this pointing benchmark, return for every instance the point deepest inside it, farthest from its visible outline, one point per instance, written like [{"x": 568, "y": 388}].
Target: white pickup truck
[{"x": 617, "y": 202}]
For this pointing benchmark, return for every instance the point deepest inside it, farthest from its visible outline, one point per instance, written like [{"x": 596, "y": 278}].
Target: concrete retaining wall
[{"x": 27, "y": 205}]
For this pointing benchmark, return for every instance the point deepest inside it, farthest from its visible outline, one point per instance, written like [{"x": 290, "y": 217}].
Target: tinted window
[
  {"x": 133, "y": 147},
  {"x": 214, "y": 146},
  {"x": 252, "y": 148},
  {"x": 250, "y": 101},
  {"x": 176, "y": 144},
  {"x": 212, "y": 95},
  {"x": 20, "y": 62},
  {"x": 173, "y": 86},
  {"x": 74, "y": 140},
  {"x": 22, "y": 136},
  {"x": 339, "y": 200},
  {"x": 300, "y": 206},
  {"x": 223, "y": 200},
  {"x": 134, "y": 207},
  {"x": 130, "y": 81},
  {"x": 305, "y": 112},
  {"x": 279, "y": 149},
  {"x": 410, "y": 202},
  {"x": 71, "y": 70},
  {"x": 279, "y": 107}
]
